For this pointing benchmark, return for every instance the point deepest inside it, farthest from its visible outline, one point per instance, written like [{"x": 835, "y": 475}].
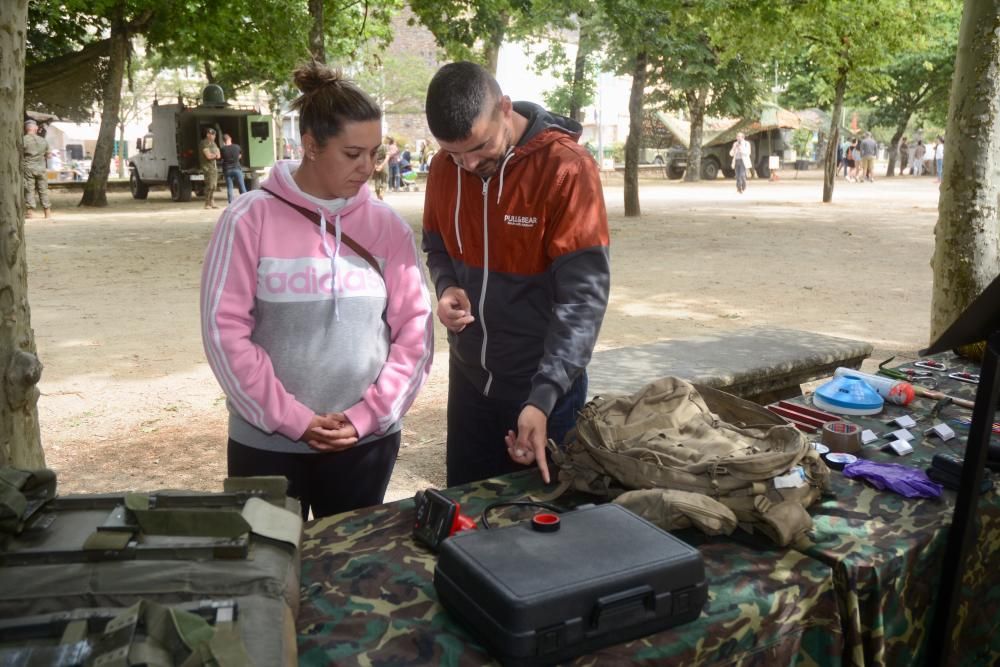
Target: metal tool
[
  {"x": 962, "y": 376},
  {"x": 931, "y": 364}
]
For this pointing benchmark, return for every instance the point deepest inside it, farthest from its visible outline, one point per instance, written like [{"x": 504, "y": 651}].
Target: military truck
[
  {"x": 763, "y": 144},
  {"x": 168, "y": 154}
]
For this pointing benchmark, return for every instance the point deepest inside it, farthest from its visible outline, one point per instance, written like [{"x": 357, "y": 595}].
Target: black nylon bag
[{"x": 537, "y": 598}]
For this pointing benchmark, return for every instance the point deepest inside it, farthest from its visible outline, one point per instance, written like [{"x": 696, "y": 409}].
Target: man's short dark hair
[{"x": 456, "y": 97}]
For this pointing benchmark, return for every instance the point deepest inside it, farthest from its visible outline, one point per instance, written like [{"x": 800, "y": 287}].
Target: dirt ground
[{"x": 128, "y": 401}]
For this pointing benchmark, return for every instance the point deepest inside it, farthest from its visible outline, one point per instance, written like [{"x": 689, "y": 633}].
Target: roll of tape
[
  {"x": 842, "y": 437},
  {"x": 837, "y": 460}
]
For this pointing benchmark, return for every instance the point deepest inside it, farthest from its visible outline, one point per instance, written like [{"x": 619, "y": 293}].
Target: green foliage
[
  {"x": 801, "y": 138},
  {"x": 854, "y": 39},
  {"x": 397, "y": 81},
  {"x": 473, "y": 29},
  {"x": 919, "y": 77}
]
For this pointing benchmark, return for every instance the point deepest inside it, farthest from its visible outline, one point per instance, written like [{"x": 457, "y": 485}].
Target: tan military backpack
[{"x": 680, "y": 454}]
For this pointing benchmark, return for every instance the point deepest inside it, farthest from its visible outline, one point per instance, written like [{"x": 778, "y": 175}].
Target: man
[
  {"x": 36, "y": 151},
  {"x": 231, "y": 169},
  {"x": 741, "y": 161},
  {"x": 208, "y": 153},
  {"x": 904, "y": 154},
  {"x": 868, "y": 150},
  {"x": 917, "y": 168},
  {"x": 516, "y": 236}
]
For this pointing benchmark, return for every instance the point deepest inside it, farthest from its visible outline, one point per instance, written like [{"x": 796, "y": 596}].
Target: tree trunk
[
  {"x": 967, "y": 235},
  {"x": 20, "y": 441},
  {"x": 830, "y": 160},
  {"x": 696, "y": 109},
  {"x": 317, "y": 42},
  {"x": 585, "y": 46},
  {"x": 634, "y": 136},
  {"x": 279, "y": 127},
  {"x": 95, "y": 191},
  {"x": 492, "y": 43}
]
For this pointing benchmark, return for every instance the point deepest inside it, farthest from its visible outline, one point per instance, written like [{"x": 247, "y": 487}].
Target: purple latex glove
[{"x": 906, "y": 481}]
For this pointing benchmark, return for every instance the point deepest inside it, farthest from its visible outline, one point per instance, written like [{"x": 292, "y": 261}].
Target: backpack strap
[{"x": 350, "y": 242}]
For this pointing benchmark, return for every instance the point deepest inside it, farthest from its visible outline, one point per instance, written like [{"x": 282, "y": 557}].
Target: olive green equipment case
[{"x": 125, "y": 558}]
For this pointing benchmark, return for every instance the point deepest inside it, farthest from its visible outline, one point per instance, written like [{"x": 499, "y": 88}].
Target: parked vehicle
[
  {"x": 168, "y": 154},
  {"x": 763, "y": 142}
]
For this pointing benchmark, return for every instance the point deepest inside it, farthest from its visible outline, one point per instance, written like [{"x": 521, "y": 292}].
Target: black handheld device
[{"x": 437, "y": 518}]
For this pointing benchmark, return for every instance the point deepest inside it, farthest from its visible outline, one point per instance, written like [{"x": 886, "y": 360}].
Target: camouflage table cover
[
  {"x": 886, "y": 550},
  {"x": 368, "y": 598}
]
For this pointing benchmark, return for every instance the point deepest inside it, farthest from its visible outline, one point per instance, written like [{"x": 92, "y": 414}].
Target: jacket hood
[
  {"x": 540, "y": 119},
  {"x": 280, "y": 181}
]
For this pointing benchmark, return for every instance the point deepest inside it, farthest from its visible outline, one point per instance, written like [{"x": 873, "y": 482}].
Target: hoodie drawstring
[
  {"x": 332, "y": 254},
  {"x": 503, "y": 165},
  {"x": 458, "y": 204}
]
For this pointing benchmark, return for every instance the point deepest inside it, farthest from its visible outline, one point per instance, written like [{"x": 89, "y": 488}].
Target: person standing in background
[
  {"x": 392, "y": 159},
  {"x": 869, "y": 149},
  {"x": 380, "y": 178},
  {"x": 33, "y": 170},
  {"x": 741, "y": 161},
  {"x": 208, "y": 153},
  {"x": 231, "y": 169},
  {"x": 917, "y": 166},
  {"x": 904, "y": 154}
]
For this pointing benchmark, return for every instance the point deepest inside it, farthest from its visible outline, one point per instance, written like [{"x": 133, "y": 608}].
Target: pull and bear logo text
[{"x": 521, "y": 220}]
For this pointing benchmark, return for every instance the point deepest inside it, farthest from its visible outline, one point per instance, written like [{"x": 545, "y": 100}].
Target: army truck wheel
[
  {"x": 180, "y": 186},
  {"x": 728, "y": 173},
  {"x": 709, "y": 169},
  {"x": 675, "y": 172},
  {"x": 253, "y": 183},
  {"x": 139, "y": 189},
  {"x": 764, "y": 168}
]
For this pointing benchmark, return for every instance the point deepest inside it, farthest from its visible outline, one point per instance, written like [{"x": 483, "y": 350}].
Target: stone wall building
[{"x": 410, "y": 125}]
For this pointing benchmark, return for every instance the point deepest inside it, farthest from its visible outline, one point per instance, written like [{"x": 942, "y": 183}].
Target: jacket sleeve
[
  {"x": 228, "y": 287},
  {"x": 438, "y": 261},
  {"x": 581, "y": 278},
  {"x": 411, "y": 348}
]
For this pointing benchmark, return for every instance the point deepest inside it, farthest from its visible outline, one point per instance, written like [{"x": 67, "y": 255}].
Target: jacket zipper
[{"x": 482, "y": 293}]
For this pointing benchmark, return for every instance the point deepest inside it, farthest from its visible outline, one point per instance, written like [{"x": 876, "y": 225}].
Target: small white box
[
  {"x": 900, "y": 434},
  {"x": 900, "y": 447},
  {"x": 904, "y": 421}
]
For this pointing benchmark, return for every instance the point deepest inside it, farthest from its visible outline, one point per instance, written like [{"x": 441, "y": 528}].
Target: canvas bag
[{"x": 683, "y": 455}]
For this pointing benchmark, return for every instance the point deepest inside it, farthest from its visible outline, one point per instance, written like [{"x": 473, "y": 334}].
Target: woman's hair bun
[{"x": 314, "y": 75}]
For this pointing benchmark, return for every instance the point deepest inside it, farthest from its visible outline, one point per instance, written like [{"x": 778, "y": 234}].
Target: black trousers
[
  {"x": 326, "y": 483},
  {"x": 477, "y": 425}
]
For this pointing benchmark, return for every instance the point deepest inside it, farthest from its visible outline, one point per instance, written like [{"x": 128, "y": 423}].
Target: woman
[
  {"x": 853, "y": 160},
  {"x": 740, "y": 153},
  {"x": 315, "y": 317}
]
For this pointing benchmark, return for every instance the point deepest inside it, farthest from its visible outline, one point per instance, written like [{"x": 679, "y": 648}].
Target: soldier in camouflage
[
  {"x": 208, "y": 153},
  {"x": 36, "y": 151}
]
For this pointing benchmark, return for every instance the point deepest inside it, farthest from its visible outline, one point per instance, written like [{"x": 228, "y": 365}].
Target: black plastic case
[{"x": 534, "y": 597}]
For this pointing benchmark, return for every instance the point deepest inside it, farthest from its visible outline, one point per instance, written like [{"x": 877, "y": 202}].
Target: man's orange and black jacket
[{"x": 529, "y": 246}]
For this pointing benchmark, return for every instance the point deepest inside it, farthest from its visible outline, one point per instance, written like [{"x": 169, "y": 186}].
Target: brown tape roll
[{"x": 842, "y": 437}]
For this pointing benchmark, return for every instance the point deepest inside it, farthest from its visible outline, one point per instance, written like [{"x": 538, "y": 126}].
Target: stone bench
[{"x": 760, "y": 364}]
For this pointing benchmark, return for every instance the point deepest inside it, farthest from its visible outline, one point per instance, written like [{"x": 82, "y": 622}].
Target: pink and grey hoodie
[{"x": 295, "y": 323}]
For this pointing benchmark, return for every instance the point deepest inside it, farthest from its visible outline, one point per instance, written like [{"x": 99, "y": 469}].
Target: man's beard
[{"x": 488, "y": 169}]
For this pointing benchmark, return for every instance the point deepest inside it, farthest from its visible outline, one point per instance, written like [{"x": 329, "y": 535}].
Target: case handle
[{"x": 623, "y": 608}]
